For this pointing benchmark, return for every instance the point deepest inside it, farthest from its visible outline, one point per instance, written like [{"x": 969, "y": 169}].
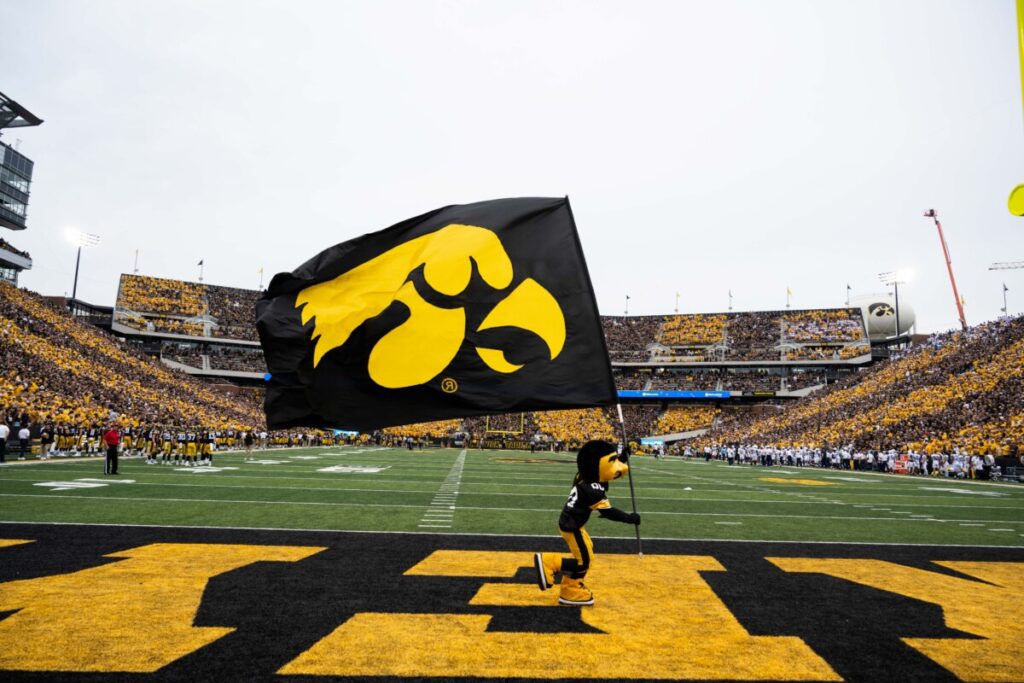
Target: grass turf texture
[
  {"x": 271, "y": 614},
  {"x": 510, "y": 492}
]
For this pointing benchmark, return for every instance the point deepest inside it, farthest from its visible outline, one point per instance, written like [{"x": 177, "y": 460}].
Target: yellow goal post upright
[{"x": 522, "y": 425}]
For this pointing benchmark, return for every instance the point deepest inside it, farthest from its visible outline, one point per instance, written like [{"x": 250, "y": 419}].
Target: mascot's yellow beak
[{"x": 610, "y": 467}]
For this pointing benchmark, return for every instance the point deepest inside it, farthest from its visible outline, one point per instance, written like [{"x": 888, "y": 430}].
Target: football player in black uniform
[{"x": 597, "y": 463}]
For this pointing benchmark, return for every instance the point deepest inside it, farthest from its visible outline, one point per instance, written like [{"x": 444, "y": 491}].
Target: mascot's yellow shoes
[
  {"x": 546, "y": 565},
  {"x": 574, "y": 593}
]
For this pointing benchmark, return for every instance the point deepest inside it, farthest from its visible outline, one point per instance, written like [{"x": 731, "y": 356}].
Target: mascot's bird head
[{"x": 598, "y": 461}]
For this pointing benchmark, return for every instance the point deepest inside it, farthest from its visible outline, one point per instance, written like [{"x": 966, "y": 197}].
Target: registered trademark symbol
[{"x": 449, "y": 386}]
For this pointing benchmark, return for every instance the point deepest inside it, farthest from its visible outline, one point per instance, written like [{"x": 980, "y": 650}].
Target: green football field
[{"x": 511, "y": 493}]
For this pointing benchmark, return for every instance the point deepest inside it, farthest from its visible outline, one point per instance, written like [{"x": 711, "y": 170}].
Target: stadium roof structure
[{"x": 13, "y": 115}]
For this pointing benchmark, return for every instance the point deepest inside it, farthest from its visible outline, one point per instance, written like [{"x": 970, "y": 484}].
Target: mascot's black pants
[{"x": 582, "y": 550}]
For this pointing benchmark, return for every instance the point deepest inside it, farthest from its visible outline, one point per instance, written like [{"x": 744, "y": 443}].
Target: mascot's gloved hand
[{"x": 634, "y": 518}]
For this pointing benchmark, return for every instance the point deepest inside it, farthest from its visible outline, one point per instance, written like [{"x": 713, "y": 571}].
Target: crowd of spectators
[
  {"x": 665, "y": 354},
  {"x": 173, "y": 306},
  {"x": 145, "y": 294},
  {"x": 234, "y": 311},
  {"x": 958, "y": 390},
  {"x": 631, "y": 379},
  {"x": 186, "y": 354},
  {"x": 188, "y": 328},
  {"x": 629, "y": 337},
  {"x": 823, "y": 326},
  {"x": 438, "y": 429},
  {"x": 685, "y": 419},
  {"x": 832, "y": 353},
  {"x": 575, "y": 426},
  {"x": 693, "y": 330},
  {"x": 686, "y": 380},
  {"x": 61, "y": 371},
  {"x": 754, "y": 336},
  {"x": 4, "y": 244},
  {"x": 806, "y": 378},
  {"x": 639, "y": 419},
  {"x": 751, "y": 380},
  {"x": 236, "y": 358}
]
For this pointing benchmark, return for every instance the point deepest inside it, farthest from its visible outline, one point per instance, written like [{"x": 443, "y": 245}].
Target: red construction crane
[{"x": 930, "y": 213}]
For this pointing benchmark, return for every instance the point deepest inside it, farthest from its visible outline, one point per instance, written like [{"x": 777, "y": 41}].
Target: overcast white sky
[{"x": 705, "y": 145}]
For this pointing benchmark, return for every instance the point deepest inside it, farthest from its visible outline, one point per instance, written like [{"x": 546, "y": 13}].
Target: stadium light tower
[
  {"x": 900, "y": 277},
  {"x": 80, "y": 239}
]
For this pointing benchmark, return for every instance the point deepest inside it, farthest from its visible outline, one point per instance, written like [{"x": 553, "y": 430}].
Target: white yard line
[
  {"x": 187, "y": 480},
  {"x": 59, "y": 495},
  {"x": 442, "y": 507}
]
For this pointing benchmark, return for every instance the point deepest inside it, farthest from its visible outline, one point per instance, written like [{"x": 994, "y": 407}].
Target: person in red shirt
[{"x": 112, "y": 437}]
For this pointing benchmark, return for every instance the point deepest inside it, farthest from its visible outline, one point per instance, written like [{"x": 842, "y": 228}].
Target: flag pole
[{"x": 632, "y": 493}]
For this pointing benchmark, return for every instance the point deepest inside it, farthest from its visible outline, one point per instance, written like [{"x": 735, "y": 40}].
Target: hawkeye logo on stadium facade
[
  {"x": 881, "y": 310},
  {"x": 419, "y": 349}
]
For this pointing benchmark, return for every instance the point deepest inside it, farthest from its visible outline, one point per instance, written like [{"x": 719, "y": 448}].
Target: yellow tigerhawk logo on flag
[{"x": 421, "y": 348}]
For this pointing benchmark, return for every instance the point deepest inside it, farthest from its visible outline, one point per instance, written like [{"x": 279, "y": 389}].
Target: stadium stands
[
  {"x": 693, "y": 330},
  {"x": 639, "y": 420},
  {"x": 7, "y": 246},
  {"x": 65, "y": 372},
  {"x": 754, "y": 336},
  {"x": 750, "y": 380},
  {"x": 816, "y": 334},
  {"x": 806, "y": 378},
  {"x": 234, "y": 311},
  {"x": 629, "y": 337},
  {"x": 151, "y": 304},
  {"x": 573, "y": 427},
  {"x": 237, "y": 359},
  {"x": 631, "y": 378},
  {"x": 685, "y": 419},
  {"x": 819, "y": 353},
  {"x": 823, "y": 326},
  {"x": 960, "y": 390},
  {"x": 686, "y": 380},
  {"x": 144, "y": 294},
  {"x": 426, "y": 430},
  {"x": 957, "y": 391}
]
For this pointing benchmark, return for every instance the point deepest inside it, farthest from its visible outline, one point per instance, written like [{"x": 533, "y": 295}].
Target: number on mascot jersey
[{"x": 573, "y": 496}]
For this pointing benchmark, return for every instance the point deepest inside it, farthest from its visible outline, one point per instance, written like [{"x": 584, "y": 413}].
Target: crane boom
[
  {"x": 1009, "y": 265},
  {"x": 931, "y": 213}
]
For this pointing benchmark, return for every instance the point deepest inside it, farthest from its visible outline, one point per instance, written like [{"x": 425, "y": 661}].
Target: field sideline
[{"x": 512, "y": 493}]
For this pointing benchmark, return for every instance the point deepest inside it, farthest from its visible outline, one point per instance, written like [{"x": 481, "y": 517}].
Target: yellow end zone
[
  {"x": 655, "y": 617},
  {"x": 679, "y": 629},
  {"x": 96, "y": 619}
]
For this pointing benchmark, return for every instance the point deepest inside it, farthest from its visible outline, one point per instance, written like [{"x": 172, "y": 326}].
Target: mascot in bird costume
[{"x": 597, "y": 463}]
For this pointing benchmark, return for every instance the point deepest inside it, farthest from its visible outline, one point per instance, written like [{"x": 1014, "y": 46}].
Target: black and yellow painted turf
[
  {"x": 106, "y": 601},
  {"x": 110, "y": 603}
]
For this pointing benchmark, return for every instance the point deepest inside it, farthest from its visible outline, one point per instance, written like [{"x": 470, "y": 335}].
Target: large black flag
[{"x": 467, "y": 310}]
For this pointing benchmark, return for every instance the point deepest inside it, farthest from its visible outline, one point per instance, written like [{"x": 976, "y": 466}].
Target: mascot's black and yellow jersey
[{"x": 584, "y": 498}]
